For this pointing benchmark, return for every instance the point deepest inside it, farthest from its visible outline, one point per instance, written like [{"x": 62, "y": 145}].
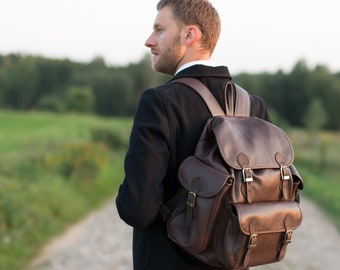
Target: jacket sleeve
[{"x": 141, "y": 193}]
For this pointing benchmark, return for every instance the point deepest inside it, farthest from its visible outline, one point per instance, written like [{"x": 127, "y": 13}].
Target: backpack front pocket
[{"x": 257, "y": 233}]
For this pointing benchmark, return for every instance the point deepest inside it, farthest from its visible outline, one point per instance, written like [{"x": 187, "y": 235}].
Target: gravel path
[{"x": 103, "y": 242}]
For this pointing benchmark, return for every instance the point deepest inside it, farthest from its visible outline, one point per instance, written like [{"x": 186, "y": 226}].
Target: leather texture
[{"x": 239, "y": 203}]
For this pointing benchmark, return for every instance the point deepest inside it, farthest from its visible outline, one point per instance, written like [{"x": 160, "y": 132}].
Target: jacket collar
[{"x": 203, "y": 71}]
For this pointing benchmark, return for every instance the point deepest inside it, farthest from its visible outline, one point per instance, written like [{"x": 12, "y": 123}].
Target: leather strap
[
  {"x": 214, "y": 108},
  {"x": 229, "y": 97},
  {"x": 252, "y": 242},
  {"x": 287, "y": 239},
  {"x": 241, "y": 106}
]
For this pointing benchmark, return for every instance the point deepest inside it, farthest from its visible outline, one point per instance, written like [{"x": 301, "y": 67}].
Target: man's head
[{"x": 184, "y": 31}]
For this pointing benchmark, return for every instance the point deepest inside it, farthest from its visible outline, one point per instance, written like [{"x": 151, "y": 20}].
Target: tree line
[{"x": 302, "y": 97}]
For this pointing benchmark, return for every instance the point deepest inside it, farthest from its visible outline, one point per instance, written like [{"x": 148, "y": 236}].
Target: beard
[{"x": 168, "y": 59}]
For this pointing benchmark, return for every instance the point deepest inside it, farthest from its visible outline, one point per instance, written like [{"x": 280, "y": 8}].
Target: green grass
[
  {"x": 323, "y": 188},
  {"x": 317, "y": 159},
  {"x": 37, "y": 203},
  {"x": 36, "y": 130}
]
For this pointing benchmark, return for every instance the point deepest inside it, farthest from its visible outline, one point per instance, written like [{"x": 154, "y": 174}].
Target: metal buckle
[
  {"x": 252, "y": 241},
  {"x": 191, "y": 199},
  {"x": 284, "y": 173},
  {"x": 247, "y": 175},
  {"x": 288, "y": 237}
]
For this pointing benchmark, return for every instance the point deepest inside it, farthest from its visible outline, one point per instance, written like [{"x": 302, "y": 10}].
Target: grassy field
[
  {"x": 52, "y": 172},
  {"x": 317, "y": 158},
  {"x": 55, "y": 168}
]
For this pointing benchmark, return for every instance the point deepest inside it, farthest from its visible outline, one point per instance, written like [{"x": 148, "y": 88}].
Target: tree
[
  {"x": 30, "y": 82},
  {"x": 20, "y": 82},
  {"x": 113, "y": 93},
  {"x": 296, "y": 94},
  {"x": 316, "y": 117},
  {"x": 80, "y": 99}
]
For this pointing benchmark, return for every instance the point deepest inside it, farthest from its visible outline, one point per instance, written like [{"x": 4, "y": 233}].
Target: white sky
[{"x": 262, "y": 35}]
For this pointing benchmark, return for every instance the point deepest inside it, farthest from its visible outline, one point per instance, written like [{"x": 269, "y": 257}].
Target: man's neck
[{"x": 196, "y": 62}]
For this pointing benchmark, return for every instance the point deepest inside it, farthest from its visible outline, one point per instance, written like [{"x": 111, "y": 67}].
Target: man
[{"x": 167, "y": 126}]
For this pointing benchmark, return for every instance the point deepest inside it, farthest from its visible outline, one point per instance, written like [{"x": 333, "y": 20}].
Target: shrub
[
  {"x": 80, "y": 99},
  {"x": 78, "y": 161},
  {"x": 51, "y": 103},
  {"x": 112, "y": 138}
]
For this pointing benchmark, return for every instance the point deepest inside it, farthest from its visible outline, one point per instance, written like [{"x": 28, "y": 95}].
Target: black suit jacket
[{"x": 167, "y": 125}]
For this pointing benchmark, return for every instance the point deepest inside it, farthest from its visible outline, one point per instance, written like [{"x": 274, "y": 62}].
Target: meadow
[
  {"x": 317, "y": 157},
  {"x": 56, "y": 168}
]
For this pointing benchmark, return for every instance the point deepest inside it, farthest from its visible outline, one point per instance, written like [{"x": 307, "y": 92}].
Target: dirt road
[{"x": 103, "y": 242}]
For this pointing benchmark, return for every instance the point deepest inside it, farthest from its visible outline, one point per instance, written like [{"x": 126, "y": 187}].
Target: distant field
[{"x": 53, "y": 171}]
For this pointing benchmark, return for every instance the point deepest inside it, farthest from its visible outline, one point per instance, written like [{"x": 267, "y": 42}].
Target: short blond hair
[{"x": 200, "y": 13}]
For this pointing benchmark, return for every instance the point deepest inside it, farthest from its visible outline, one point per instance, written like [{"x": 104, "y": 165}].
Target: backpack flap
[
  {"x": 203, "y": 180},
  {"x": 268, "y": 229},
  {"x": 257, "y": 153},
  {"x": 260, "y": 141}
]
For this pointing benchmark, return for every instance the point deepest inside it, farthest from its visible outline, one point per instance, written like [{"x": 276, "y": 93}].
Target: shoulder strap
[
  {"x": 214, "y": 108},
  {"x": 242, "y": 101},
  {"x": 239, "y": 106}
]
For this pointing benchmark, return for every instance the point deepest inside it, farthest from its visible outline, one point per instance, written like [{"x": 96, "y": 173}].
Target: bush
[
  {"x": 78, "y": 161},
  {"x": 112, "y": 138},
  {"x": 80, "y": 99},
  {"x": 51, "y": 103}
]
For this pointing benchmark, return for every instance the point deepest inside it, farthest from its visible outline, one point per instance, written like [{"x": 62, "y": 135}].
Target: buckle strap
[
  {"x": 252, "y": 243},
  {"x": 248, "y": 180},
  {"x": 247, "y": 175},
  {"x": 287, "y": 239},
  {"x": 191, "y": 202},
  {"x": 285, "y": 177},
  {"x": 192, "y": 199}
]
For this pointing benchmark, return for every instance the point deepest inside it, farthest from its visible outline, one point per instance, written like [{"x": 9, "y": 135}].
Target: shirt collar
[{"x": 197, "y": 62}]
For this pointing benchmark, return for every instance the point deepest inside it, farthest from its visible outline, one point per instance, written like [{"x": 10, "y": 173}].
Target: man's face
[{"x": 166, "y": 43}]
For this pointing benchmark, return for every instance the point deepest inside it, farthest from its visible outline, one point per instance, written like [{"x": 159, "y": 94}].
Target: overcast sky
[{"x": 262, "y": 35}]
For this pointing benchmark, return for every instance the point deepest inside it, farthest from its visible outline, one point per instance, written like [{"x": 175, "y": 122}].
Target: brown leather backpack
[{"x": 239, "y": 201}]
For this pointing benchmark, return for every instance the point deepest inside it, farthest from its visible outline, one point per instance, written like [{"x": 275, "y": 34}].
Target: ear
[{"x": 193, "y": 33}]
